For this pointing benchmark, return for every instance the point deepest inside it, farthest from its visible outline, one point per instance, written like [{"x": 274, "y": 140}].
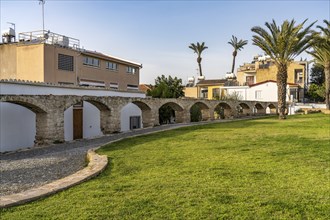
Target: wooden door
[{"x": 77, "y": 124}]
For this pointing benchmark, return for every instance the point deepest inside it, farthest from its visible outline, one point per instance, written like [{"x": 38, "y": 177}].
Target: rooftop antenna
[{"x": 42, "y": 2}]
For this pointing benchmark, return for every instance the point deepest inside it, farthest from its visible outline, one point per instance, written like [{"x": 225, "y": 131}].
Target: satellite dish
[{"x": 46, "y": 36}]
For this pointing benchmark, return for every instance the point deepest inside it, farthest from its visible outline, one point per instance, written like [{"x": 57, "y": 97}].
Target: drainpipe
[{"x": 76, "y": 72}]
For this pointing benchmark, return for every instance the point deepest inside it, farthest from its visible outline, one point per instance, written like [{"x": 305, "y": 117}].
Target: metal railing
[{"x": 48, "y": 37}]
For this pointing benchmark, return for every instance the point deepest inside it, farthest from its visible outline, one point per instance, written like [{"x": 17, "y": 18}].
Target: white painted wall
[
  {"x": 44, "y": 89},
  {"x": 268, "y": 92},
  {"x": 241, "y": 90},
  {"x": 17, "y": 127},
  {"x": 18, "y": 124},
  {"x": 91, "y": 121},
  {"x": 127, "y": 111}
]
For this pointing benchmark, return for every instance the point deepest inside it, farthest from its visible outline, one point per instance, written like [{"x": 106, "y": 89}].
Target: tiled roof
[
  {"x": 211, "y": 81},
  {"x": 144, "y": 87}
]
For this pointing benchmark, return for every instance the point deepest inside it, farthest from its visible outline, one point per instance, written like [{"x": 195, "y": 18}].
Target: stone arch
[
  {"x": 169, "y": 112},
  {"x": 223, "y": 110},
  {"x": 105, "y": 113},
  {"x": 29, "y": 103},
  {"x": 147, "y": 114},
  {"x": 96, "y": 116},
  {"x": 271, "y": 109},
  {"x": 41, "y": 115},
  {"x": 204, "y": 110},
  {"x": 18, "y": 125},
  {"x": 130, "y": 117},
  {"x": 243, "y": 109},
  {"x": 259, "y": 109}
]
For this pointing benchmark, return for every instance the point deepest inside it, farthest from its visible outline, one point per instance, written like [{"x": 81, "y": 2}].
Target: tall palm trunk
[
  {"x": 199, "y": 60},
  {"x": 234, "y": 60},
  {"x": 282, "y": 76},
  {"x": 327, "y": 84}
]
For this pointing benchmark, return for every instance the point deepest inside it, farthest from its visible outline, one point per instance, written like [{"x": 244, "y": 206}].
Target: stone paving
[{"x": 34, "y": 172}]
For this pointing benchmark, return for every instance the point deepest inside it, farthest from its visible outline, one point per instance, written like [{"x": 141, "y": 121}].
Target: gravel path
[{"x": 34, "y": 167}]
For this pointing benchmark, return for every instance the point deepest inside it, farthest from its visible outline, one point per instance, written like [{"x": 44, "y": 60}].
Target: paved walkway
[{"x": 23, "y": 170}]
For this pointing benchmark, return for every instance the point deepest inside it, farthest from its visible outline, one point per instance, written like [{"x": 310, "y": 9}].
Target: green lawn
[{"x": 254, "y": 169}]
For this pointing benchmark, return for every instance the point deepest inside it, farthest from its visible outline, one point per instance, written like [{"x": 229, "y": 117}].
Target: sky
[{"x": 157, "y": 33}]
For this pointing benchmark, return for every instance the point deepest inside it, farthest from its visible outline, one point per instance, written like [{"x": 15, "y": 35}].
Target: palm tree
[
  {"x": 283, "y": 43},
  {"x": 321, "y": 54},
  {"x": 198, "y": 48},
  {"x": 237, "y": 45}
]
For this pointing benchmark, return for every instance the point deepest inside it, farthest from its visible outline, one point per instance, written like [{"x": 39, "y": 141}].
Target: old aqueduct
[{"x": 49, "y": 110}]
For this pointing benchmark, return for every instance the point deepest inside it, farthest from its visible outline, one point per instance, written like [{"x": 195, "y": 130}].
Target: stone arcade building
[{"x": 49, "y": 110}]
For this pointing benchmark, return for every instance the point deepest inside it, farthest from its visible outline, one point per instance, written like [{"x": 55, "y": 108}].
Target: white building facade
[{"x": 263, "y": 91}]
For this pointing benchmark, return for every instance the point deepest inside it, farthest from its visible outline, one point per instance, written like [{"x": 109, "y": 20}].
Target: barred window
[{"x": 65, "y": 62}]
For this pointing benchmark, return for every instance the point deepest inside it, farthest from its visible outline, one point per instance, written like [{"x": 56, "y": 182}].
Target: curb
[{"x": 96, "y": 165}]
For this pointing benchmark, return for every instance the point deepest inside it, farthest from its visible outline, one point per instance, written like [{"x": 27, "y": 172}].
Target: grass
[{"x": 255, "y": 169}]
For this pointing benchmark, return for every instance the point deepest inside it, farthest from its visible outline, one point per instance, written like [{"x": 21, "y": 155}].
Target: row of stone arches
[{"x": 50, "y": 112}]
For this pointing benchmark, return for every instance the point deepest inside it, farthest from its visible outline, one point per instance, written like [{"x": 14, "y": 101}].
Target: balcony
[{"x": 247, "y": 68}]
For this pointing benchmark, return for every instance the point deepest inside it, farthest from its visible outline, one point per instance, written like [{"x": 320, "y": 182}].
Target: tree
[
  {"x": 316, "y": 92},
  {"x": 166, "y": 88},
  {"x": 283, "y": 43},
  {"x": 317, "y": 74},
  {"x": 198, "y": 48},
  {"x": 237, "y": 45},
  {"x": 321, "y": 54}
]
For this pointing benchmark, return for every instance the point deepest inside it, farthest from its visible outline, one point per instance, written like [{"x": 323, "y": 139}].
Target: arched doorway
[
  {"x": 86, "y": 119},
  {"x": 222, "y": 111},
  {"x": 259, "y": 109},
  {"x": 169, "y": 113},
  {"x": 243, "y": 109},
  {"x": 130, "y": 117},
  {"x": 271, "y": 109},
  {"x": 199, "y": 111}
]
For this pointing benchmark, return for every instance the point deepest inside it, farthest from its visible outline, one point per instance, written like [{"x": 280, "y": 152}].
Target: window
[
  {"x": 111, "y": 66},
  {"x": 90, "y": 61},
  {"x": 249, "y": 80},
  {"x": 134, "y": 122},
  {"x": 298, "y": 75},
  {"x": 113, "y": 85},
  {"x": 216, "y": 93},
  {"x": 131, "y": 70},
  {"x": 204, "y": 93},
  {"x": 65, "y": 62},
  {"x": 258, "y": 94},
  {"x": 132, "y": 87},
  {"x": 293, "y": 94}
]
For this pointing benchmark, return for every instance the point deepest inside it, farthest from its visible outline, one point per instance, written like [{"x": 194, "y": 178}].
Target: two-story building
[
  {"x": 52, "y": 58},
  {"x": 44, "y": 63}
]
